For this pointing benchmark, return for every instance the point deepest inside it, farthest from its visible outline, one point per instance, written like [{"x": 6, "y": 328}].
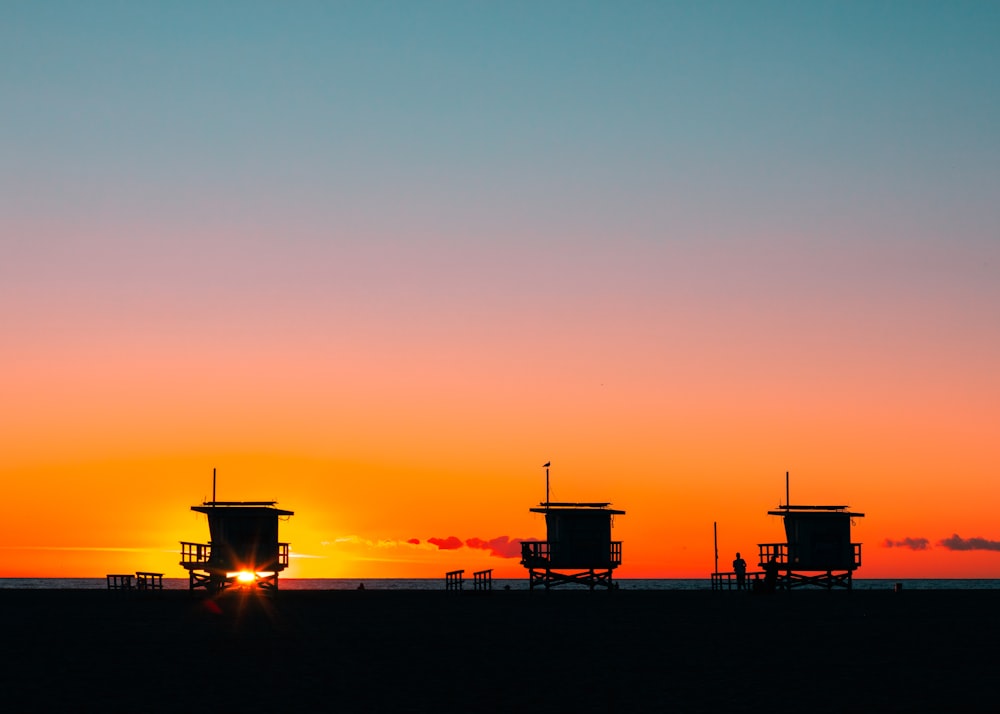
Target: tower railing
[
  {"x": 780, "y": 552},
  {"x": 195, "y": 553},
  {"x": 538, "y": 553},
  {"x": 534, "y": 552},
  {"x": 201, "y": 553}
]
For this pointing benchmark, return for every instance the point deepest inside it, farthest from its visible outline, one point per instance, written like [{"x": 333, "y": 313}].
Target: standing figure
[
  {"x": 771, "y": 575},
  {"x": 740, "y": 568}
]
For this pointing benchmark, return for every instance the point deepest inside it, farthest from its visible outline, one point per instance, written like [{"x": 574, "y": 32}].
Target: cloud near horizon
[
  {"x": 368, "y": 542},
  {"x": 499, "y": 547},
  {"x": 956, "y": 542},
  {"x": 449, "y": 543},
  {"x": 911, "y": 543}
]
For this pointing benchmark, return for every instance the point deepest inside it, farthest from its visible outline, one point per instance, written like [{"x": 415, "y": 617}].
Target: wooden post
[{"x": 715, "y": 534}]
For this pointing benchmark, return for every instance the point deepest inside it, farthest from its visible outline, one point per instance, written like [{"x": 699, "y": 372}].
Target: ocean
[{"x": 498, "y": 584}]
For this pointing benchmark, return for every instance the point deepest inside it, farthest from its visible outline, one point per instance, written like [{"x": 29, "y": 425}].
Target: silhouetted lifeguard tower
[
  {"x": 577, "y": 548},
  {"x": 818, "y": 550},
  {"x": 244, "y": 546}
]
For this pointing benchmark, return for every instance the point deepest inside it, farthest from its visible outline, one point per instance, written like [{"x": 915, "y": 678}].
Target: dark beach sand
[{"x": 503, "y": 651}]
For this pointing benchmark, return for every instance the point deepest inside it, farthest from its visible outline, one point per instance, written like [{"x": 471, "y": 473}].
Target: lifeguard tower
[
  {"x": 818, "y": 550},
  {"x": 243, "y": 548},
  {"x": 577, "y": 548}
]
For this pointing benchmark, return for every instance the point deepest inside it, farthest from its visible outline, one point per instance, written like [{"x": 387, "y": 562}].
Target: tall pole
[
  {"x": 715, "y": 535},
  {"x": 213, "y": 486},
  {"x": 546, "y": 485},
  {"x": 787, "y": 502}
]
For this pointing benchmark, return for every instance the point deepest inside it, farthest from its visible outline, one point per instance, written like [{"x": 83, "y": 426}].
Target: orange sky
[
  {"x": 110, "y": 448},
  {"x": 377, "y": 432}
]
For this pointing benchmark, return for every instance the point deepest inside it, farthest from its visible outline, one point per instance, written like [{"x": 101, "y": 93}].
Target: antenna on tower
[
  {"x": 213, "y": 485},
  {"x": 787, "y": 502},
  {"x": 546, "y": 466}
]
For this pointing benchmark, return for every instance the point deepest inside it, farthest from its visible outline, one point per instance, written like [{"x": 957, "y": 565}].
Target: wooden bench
[
  {"x": 119, "y": 581},
  {"x": 148, "y": 581},
  {"x": 453, "y": 580},
  {"x": 482, "y": 580}
]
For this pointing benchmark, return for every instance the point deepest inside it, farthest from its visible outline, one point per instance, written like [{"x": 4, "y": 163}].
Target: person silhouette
[
  {"x": 771, "y": 574},
  {"x": 740, "y": 568}
]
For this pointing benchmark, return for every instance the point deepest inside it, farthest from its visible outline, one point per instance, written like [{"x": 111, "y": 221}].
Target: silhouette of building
[
  {"x": 243, "y": 546},
  {"x": 577, "y": 548},
  {"x": 818, "y": 550}
]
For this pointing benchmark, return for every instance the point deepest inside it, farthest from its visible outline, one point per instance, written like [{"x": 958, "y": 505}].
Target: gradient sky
[{"x": 381, "y": 260}]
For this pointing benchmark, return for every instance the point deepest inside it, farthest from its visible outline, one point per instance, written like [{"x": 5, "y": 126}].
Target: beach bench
[
  {"x": 453, "y": 580},
  {"x": 482, "y": 580},
  {"x": 148, "y": 581},
  {"x": 119, "y": 581}
]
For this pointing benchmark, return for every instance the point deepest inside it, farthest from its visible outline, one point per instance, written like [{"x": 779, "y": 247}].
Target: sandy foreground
[{"x": 504, "y": 651}]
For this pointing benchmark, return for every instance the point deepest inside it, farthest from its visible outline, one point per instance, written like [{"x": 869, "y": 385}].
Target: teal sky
[
  {"x": 670, "y": 153},
  {"x": 651, "y": 120}
]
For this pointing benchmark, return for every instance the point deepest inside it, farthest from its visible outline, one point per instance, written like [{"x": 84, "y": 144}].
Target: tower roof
[
  {"x": 551, "y": 506},
  {"x": 802, "y": 510},
  {"x": 241, "y": 507}
]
